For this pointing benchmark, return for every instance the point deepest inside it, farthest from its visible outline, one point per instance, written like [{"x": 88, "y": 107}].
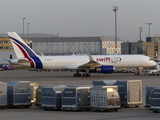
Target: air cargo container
[
  {"x": 155, "y": 100},
  {"x": 19, "y": 94},
  {"x": 39, "y": 94},
  {"x": 76, "y": 98},
  {"x": 3, "y": 95},
  {"x": 34, "y": 87},
  {"x": 104, "y": 98},
  {"x": 51, "y": 97},
  {"x": 130, "y": 91},
  {"x": 148, "y": 93}
]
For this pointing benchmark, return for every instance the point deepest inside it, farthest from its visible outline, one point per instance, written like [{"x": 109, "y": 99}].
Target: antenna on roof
[{"x": 140, "y": 33}]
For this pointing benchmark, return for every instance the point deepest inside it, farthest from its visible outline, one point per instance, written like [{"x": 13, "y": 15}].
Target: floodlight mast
[
  {"x": 115, "y": 8},
  {"x": 149, "y": 27}
]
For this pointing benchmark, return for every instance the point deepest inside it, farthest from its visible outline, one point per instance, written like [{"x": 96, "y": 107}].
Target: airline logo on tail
[{"x": 27, "y": 52}]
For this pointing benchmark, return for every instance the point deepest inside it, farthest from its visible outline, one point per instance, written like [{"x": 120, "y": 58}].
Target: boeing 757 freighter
[{"x": 84, "y": 63}]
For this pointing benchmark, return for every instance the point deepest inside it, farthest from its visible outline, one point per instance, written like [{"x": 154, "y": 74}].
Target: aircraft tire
[
  {"x": 79, "y": 74},
  {"x": 88, "y": 75},
  {"x": 75, "y": 75},
  {"x": 84, "y": 75}
]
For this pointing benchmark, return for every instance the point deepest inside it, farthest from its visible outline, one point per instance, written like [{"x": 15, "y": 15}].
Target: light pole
[
  {"x": 28, "y": 30},
  {"x": 149, "y": 27},
  {"x": 115, "y": 8},
  {"x": 23, "y": 26}
]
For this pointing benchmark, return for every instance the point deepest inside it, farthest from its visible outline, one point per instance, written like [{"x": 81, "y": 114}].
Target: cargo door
[
  {"x": 84, "y": 97},
  {"x": 134, "y": 92},
  {"x": 98, "y": 97}
]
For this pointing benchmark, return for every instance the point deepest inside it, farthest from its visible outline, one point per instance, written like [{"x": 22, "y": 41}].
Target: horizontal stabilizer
[
  {"x": 8, "y": 60},
  {"x": 17, "y": 61}
]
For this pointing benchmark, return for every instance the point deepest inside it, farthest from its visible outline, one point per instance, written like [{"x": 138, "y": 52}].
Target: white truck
[{"x": 154, "y": 72}]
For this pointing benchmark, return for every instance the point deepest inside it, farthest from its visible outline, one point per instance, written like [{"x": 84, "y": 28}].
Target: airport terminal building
[{"x": 149, "y": 48}]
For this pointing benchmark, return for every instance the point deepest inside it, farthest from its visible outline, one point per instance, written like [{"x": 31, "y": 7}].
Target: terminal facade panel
[{"x": 66, "y": 45}]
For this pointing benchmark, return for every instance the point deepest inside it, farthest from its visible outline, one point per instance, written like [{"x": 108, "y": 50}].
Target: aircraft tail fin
[{"x": 21, "y": 49}]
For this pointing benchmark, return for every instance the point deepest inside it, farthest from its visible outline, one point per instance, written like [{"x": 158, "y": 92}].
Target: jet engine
[{"x": 105, "y": 69}]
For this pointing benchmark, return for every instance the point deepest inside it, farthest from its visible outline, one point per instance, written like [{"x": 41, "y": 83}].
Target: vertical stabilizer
[{"x": 21, "y": 49}]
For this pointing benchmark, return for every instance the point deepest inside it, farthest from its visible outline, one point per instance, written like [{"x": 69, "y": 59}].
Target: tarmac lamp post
[
  {"x": 115, "y": 8},
  {"x": 28, "y": 30},
  {"x": 23, "y": 26}
]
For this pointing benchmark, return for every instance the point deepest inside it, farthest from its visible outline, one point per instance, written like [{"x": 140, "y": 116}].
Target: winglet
[{"x": 90, "y": 57}]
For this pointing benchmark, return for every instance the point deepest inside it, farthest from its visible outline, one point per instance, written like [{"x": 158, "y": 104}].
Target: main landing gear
[
  {"x": 80, "y": 75},
  {"x": 77, "y": 75}
]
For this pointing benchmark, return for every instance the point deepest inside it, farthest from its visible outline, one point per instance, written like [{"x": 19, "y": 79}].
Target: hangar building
[{"x": 78, "y": 45}]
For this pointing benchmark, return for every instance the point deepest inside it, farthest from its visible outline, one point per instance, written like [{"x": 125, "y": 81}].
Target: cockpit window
[{"x": 150, "y": 59}]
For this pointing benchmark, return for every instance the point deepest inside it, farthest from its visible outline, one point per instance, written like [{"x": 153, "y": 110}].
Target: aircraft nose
[{"x": 154, "y": 63}]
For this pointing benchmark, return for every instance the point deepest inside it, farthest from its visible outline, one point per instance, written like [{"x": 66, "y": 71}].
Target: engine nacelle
[{"x": 105, "y": 69}]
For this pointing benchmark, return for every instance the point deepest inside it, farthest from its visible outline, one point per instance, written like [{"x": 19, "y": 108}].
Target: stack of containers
[
  {"x": 51, "y": 97},
  {"x": 103, "y": 98},
  {"x": 3, "y": 95},
  {"x": 76, "y": 98},
  {"x": 130, "y": 91},
  {"x": 19, "y": 94}
]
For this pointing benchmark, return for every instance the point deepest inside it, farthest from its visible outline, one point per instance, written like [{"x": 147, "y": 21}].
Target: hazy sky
[{"x": 78, "y": 18}]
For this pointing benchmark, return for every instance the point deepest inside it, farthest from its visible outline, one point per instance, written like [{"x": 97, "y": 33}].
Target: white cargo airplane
[{"x": 84, "y": 63}]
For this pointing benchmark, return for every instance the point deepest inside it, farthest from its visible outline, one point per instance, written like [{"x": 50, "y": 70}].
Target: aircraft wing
[
  {"x": 91, "y": 63},
  {"x": 75, "y": 66}
]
